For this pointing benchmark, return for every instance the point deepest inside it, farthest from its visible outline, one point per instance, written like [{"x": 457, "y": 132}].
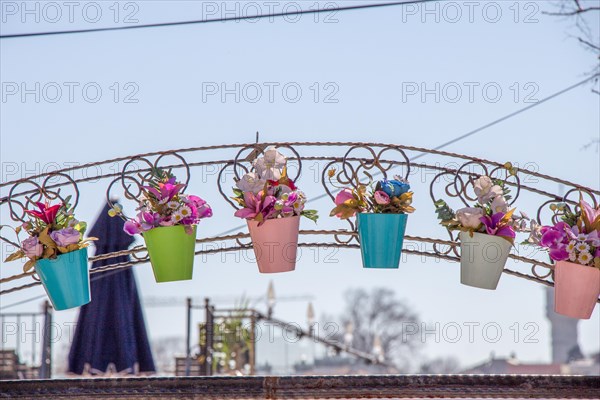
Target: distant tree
[
  {"x": 579, "y": 11},
  {"x": 440, "y": 365},
  {"x": 377, "y": 321}
]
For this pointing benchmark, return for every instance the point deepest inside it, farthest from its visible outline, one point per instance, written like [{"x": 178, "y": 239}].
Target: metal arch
[{"x": 380, "y": 159}]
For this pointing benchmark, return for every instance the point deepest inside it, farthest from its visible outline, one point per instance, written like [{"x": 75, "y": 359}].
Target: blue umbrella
[{"x": 111, "y": 333}]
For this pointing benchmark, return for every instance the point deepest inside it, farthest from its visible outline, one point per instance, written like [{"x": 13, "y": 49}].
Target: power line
[
  {"x": 441, "y": 146},
  {"x": 226, "y": 19},
  {"x": 465, "y": 135}
]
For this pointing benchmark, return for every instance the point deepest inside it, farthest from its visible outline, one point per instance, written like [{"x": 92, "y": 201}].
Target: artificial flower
[
  {"x": 270, "y": 165},
  {"x": 381, "y": 197},
  {"x": 498, "y": 225},
  {"x": 65, "y": 237},
  {"x": 32, "y": 247},
  {"x": 470, "y": 217},
  {"x": 47, "y": 213},
  {"x": 251, "y": 182},
  {"x": 162, "y": 203},
  {"x": 394, "y": 187}
]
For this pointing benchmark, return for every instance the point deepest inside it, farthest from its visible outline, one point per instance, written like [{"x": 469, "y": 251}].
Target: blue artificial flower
[{"x": 394, "y": 188}]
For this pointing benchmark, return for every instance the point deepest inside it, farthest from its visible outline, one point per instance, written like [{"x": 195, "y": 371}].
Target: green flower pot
[{"x": 171, "y": 252}]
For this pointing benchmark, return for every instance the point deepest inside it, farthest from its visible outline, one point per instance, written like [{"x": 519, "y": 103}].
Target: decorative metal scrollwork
[
  {"x": 459, "y": 183},
  {"x": 134, "y": 177},
  {"x": 355, "y": 169},
  {"x": 361, "y": 165},
  {"x": 51, "y": 188},
  {"x": 568, "y": 203}
]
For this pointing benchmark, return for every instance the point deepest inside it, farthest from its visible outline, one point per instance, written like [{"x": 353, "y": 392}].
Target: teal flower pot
[
  {"x": 381, "y": 237},
  {"x": 66, "y": 279}
]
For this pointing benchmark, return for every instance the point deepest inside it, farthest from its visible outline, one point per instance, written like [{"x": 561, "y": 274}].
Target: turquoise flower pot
[
  {"x": 66, "y": 279},
  {"x": 381, "y": 237}
]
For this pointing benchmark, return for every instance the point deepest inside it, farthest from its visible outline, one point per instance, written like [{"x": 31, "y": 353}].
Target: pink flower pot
[
  {"x": 576, "y": 289},
  {"x": 275, "y": 244}
]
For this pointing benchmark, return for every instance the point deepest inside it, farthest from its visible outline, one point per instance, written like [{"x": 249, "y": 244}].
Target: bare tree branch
[{"x": 593, "y": 46}]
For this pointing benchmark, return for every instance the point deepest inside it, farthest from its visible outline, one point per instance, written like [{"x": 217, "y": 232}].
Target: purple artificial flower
[
  {"x": 556, "y": 238},
  {"x": 200, "y": 208},
  {"x": 32, "y": 247},
  {"x": 132, "y": 227},
  {"x": 492, "y": 227},
  {"x": 166, "y": 191},
  {"x": 559, "y": 252},
  {"x": 65, "y": 237}
]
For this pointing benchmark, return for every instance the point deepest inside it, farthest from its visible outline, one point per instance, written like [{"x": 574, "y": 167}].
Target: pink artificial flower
[
  {"x": 166, "y": 222},
  {"x": 255, "y": 205},
  {"x": 590, "y": 212},
  {"x": 343, "y": 196},
  {"x": 382, "y": 197},
  {"x": 166, "y": 191}
]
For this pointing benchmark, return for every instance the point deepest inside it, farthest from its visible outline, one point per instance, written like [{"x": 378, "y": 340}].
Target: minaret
[{"x": 565, "y": 346}]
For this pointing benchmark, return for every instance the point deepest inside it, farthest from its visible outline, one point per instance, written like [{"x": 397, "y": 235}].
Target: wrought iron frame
[{"x": 359, "y": 163}]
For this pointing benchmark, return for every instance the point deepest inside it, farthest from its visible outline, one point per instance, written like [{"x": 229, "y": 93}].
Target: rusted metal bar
[{"x": 312, "y": 387}]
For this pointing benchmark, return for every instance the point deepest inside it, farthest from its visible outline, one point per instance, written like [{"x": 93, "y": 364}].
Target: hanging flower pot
[
  {"x": 66, "y": 279},
  {"x": 576, "y": 289},
  {"x": 171, "y": 251},
  {"x": 381, "y": 237},
  {"x": 482, "y": 259},
  {"x": 56, "y": 249},
  {"x": 382, "y": 211},
  {"x": 167, "y": 220},
  {"x": 272, "y": 204},
  {"x": 275, "y": 244}
]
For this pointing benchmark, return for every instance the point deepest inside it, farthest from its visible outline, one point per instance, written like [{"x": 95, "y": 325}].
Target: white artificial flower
[
  {"x": 571, "y": 246},
  {"x": 582, "y": 247},
  {"x": 499, "y": 205},
  {"x": 184, "y": 211},
  {"x": 173, "y": 204},
  {"x": 482, "y": 186},
  {"x": 177, "y": 217},
  {"x": 469, "y": 216},
  {"x": 572, "y": 256},
  {"x": 584, "y": 257},
  {"x": 270, "y": 165},
  {"x": 250, "y": 182}
]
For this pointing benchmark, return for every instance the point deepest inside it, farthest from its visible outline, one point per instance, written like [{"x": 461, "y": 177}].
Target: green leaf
[
  {"x": 310, "y": 214},
  {"x": 80, "y": 227}
]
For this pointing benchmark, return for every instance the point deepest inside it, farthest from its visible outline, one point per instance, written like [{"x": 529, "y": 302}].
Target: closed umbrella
[{"x": 110, "y": 335}]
